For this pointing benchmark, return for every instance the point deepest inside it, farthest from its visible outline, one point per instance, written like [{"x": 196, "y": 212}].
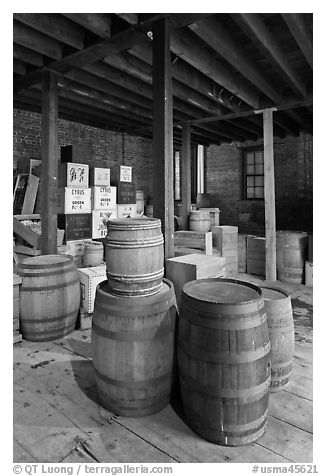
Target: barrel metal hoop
[
  {"x": 49, "y": 288},
  {"x": 256, "y": 392},
  {"x": 145, "y": 335},
  {"x": 136, "y": 277},
  {"x": 59, "y": 272},
  {"x": 225, "y": 357},
  {"x": 47, "y": 320},
  {"x": 67, "y": 261},
  {"x": 120, "y": 244},
  {"x": 27, "y": 333},
  {"x": 223, "y": 321},
  {"x": 133, "y": 384},
  {"x": 153, "y": 225}
]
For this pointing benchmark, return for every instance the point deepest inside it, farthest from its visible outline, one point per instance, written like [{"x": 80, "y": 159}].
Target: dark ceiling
[{"x": 222, "y": 64}]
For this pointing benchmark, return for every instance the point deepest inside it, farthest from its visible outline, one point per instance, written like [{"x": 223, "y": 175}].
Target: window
[{"x": 253, "y": 174}]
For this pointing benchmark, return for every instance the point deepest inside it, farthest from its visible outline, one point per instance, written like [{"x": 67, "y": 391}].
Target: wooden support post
[
  {"x": 185, "y": 175},
  {"x": 163, "y": 204},
  {"x": 269, "y": 186},
  {"x": 49, "y": 167}
]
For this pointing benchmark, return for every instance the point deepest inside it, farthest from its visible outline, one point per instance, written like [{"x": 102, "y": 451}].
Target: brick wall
[
  {"x": 104, "y": 148},
  {"x": 293, "y": 185},
  {"x": 223, "y": 172}
]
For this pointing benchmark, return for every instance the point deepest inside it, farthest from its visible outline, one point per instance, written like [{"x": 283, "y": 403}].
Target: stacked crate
[
  {"x": 104, "y": 200},
  {"x": 256, "y": 255},
  {"x": 16, "y": 288},
  {"x": 74, "y": 206},
  {"x": 121, "y": 177},
  {"x": 225, "y": 240}
]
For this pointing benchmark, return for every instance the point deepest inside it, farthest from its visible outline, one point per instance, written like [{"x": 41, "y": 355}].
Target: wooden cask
[
  {"x": 134, "y": 256},
  {"x": 132, "y": 350},
  {"x": 281, "y": 333},
  {"x": 224, "y": 360},
  {"x": 93, "y": 253},
  {"x": 199, "y": 220},
  {"x": 291, "y": 249},
  {"x": 49, "y": 297}
]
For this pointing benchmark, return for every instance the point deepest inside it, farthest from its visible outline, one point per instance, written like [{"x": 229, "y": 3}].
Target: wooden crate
[
  {"x": 99, "y": 218},
  {"x": 73, "y": 175},
  {"x": 256, "y": 255},
  {"x": 99, "y": 176},
  {"x": 84, "y": 320},
  {"x": 25, "y": 194},
  {"x": 77, "y": 226},
  {"x": 214, "y": 214},
  {"x": 127, "y": 211},
  {"x": 225, "y": 237},
  {"x": 74, "y": 200},
  {"x": 308, "y": 273},
  {"x": 126, "y": 193},
  {"x": 121, "y": 173},
  {"x": 89, "y": 278},
  {"x": 242, "y": 253},
  {"x": 180, "y": 270},
  {"x": 194, "y": 239},
  {"x": 103, "y": 197}
]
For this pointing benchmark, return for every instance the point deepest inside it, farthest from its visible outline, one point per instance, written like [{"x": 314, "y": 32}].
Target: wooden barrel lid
[
  {"x": 301, "y": 234},
  {"x": 45, "y": 261},
  {"x": 134, "y": 223},
  {"x": 222, "y": 291},
  {"x": 273, "y": 294}
]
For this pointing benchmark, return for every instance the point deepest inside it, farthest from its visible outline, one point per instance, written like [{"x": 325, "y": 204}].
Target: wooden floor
[{"x": 57, "y": 417}]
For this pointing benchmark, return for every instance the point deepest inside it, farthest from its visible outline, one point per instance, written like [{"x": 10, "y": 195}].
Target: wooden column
[
  {"x": 49, "y": 163},
  {"x": 163, "y": 201},
  {"x": 269, "y": 186},
  {"x": 185, "y": 175}
]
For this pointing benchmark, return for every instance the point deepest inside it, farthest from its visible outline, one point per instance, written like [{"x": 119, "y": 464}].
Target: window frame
[{"x": 245, "y": 152}]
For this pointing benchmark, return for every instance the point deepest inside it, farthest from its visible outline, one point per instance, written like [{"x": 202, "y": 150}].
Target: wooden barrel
[
  {"x": 291, "y": 249},
  {"x": 224, "y": 360},
  {"x": 49, "y": 297},
  {"x": 149, "y": 211},
  {"x": 93, "y": 253},
  {"x": 132, "y": 350},
  {"x": 140, "y": 202},
  {"x": 281, "y": 333},
  {"x": 199, "y": 220},
  {"x": 134, "y": 256}
]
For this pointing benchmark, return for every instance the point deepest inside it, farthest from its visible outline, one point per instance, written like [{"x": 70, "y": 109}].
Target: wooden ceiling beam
[
  {"x": 194, "y": 53},
  {"x": 19, "y": 67},
  {"x": 54, "y": 25},
  {"x": 255, "y": 28},
  {"x": 215, "y": 35},
  {"x": 28, "y": 37},
  {"x": 300, "y": 31},
  {"x": 97, "y": 23},
  {"x": 131, "y": 18},
  {"x": 27, "y": 55}
]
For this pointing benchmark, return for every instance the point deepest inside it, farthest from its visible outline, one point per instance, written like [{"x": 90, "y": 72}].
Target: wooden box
[
  {"x": 25, "y": 193},
  {"x": 180, "y": 270},
  {"x": 76, "y": 153},
  {"x": 126, "y": 193},
  {"x": 103, "y": 197},
  {"x": 121, "y": 173},
  {"x": 225, "y": 238},
  {"x": 89, "y": 279},
  {"x": 76, "y": 249},
  {"x": 77, "y": 226},
  {"x": 308, "y": 273},
  {"x": 74, "y": 200},
  {"x": 194, "y": 239},
  {"x": 256, "y": 255},
  {"x": 127, "y": 211},
  {"x": 242, "y": 253},
  {"x": 73, "y": 175},
  {"x": 99, "y": 217},
  {"x": 99, "y": 176}
]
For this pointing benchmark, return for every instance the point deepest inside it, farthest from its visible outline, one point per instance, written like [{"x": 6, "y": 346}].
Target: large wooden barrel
[
  {"x": 132, "y": 350},
  {"x": 134, "y": 256},
  {"x": 224, "y": 360},
  {"x": 281, "y": 334},
  {"x": 199, "y": 220},
  {"x": 93, "y": 253},
  {"x": 49, "y": 297},
  {"x": 291, "y": 248}
]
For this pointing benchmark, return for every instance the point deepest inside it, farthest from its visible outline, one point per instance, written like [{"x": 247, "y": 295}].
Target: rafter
[{"x": 301, "y": 33}]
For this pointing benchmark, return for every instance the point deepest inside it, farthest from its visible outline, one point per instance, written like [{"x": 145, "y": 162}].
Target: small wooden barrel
[
  {"x": 199, "y": 220},
  {"x": 93, "y": 253},
  {"x": 134, "y": 256},
  {"x": 149, "y": 211},
  {"x": 224, "y": 360},
  {"x": 49, "y": 297},
  {"x": 281, "y": 333},
  {"x": 140, "y": 202},
  {"x": 132, "y": 350},
  {"x": 291, "y": 247}
]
